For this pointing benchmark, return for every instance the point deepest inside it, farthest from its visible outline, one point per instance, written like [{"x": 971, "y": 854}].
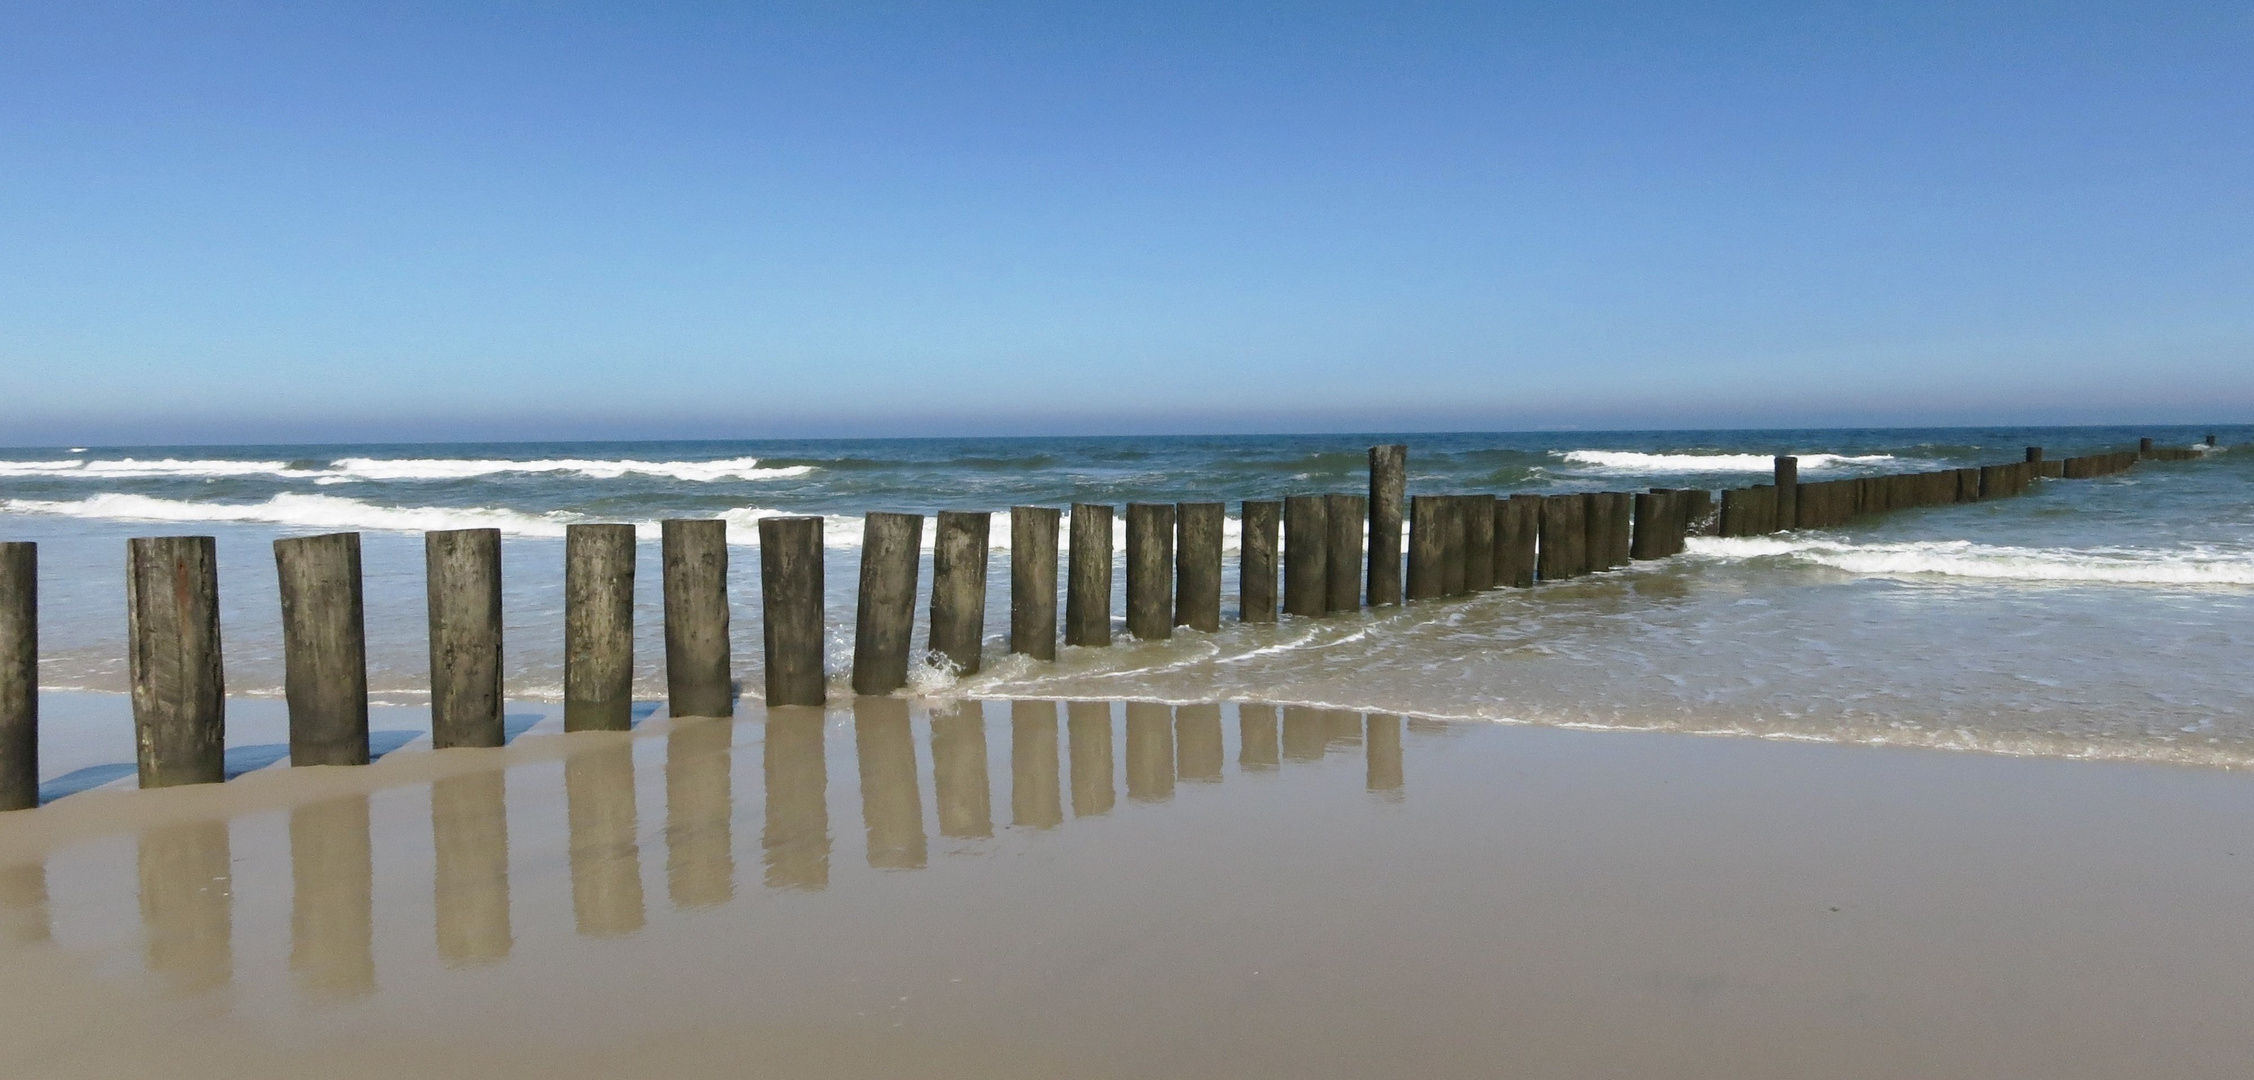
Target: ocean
[{"x": 2108, "y": 618}]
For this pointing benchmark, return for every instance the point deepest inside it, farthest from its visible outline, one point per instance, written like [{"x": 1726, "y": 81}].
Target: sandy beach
[{"x": 1111, "y": 889}]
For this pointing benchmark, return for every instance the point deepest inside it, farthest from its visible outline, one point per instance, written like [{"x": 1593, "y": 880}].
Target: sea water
[{"x": 2101, "y": 618}]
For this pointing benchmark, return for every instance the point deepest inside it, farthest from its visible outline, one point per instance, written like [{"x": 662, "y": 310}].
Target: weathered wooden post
[
  {"x": 1389, "y": 472},
  {"x": 1428, "y": 526},
  {"x": 1345, "y": 516},
  {"x": 1788, "y": 491},
  {"x": 1619, "y": 515},
  {"x": 598, "y": 627},
  {"x": 2144, "y": 447},
  {"x": 1033, "y": 581},
  {"x": 1455, "y": 538},
  {"x": 1197, "y": 564},
  {"x": 179, "y": 688},
  {"x": 790, "y": 605},
  {"x": 1596, "y": 530},
  {"x": 694, "y": 564},
  {"x": 1653, "y": 517},
  {"x": 19, "y": 676},
  {"x": 1256, "y": 561},
  {"x": 2034, "y": 454},
  {"x": 1150, "y": 571},
  {"x": 1087, "y": 601},
  {"x": 885, "y": 612},
  {"x": 958, "y": 587},
  {"x": 1479, "y": 542},
  {"x": 1565, "y": 545},
  {"x": 1306, "y": 559},
  {"x": 324, "y": 648},
  {"x": 1518, "y": 522},
  {"x": 462, "y": 587},
  {"x": 2210, "y": 438}
]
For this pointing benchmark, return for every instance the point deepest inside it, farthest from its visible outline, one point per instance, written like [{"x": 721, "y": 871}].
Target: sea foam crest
[
  {"x": 1630, "y": 461},
  {"x": 1965, "y": 559},
  {"x": 350, "y": 470}
]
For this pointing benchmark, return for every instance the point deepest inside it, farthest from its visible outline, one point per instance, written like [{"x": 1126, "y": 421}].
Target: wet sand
[{"x": 1036, "y": 889}]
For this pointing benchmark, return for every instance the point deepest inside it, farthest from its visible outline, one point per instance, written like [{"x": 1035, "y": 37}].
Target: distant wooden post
[
  {"x": 324, "y": 648},
  {"x": 698, "y": 661},
  {"x": 790, "y": 604},
  {"x": 1306, "y": 559},
  {"x": 1150, "y": 571},
  {"x": 462, "y": 586},
  {"x": 1033, "y": 581},
  {"x": 2034, "y": 454},
  {"x": 1788, "y": 491},
  {"x": 1197, "y": 564},
  {"x": 958, "y": 587},
  {"x": 598, "y": 627},
  {"x": 885, "y": 611},
  {"x": 1087, "y": 602},
  {"x": 1345, "y": 516},
  {"x": 1479, "y": 542},
  {"x": 1389, "y": 471},
  {"x": 1428, "y": 527},
  {"x": 172, "y": 631},
  {"x": 1518, "y": 523},
  {"x": 2210, "y": 439},
  {"x": 19, "y": 676},
  {"x": 1455, "y": 537},
  {"x": 1256, "y": 561},
  {"x": 2144, "y": 447},
  {"x": 1564, "y": 551}
]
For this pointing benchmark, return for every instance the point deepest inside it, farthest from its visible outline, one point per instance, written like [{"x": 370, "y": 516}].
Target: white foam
[
  {"x": 1965, "y": 559},
  {"x": 353, "y": 470},
  {"x": 1630, "y": 461}
]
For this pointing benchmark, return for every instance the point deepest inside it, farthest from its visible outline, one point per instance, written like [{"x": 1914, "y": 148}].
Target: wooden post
[
  {"x": 1455, "y": 539},
  {"x": 1345, "y": 516},
  {"x": 1479, "y": 542},
  {"x": 2144, "y": 447},
  {"x": 324, "y": 648},
  {"x": 1788, "y": 491},
  {"x": 172, "y": 631},
  {"x": 1306, "y": 561},
  {"x": 1197, "y": 564},
  {"x": 1256, "y": 561},
  {"x": 1033, "y": 581},
  {"x": 1087, "y": 602},
  {"x": 1619, "y": 517},
  {"x": 1389, "y": 471},
  {"x": 1428, "y": 527},
  {"x": 958, "y": 587},
  {"x": 2034, "y": 453},
  {"x": 884, "y": 614},
  {"x": 462, "y": 586},
  {"x": 19, "y": 676},
  {"x": 694, "y": 557},
  {"x": 1564, "y": 552},
  {"x": 1518, "y": 523},
  {"x": 790, "y": 605},
  {"x": 1596, "y": 531},
  {"x": 1150, "y": 571},
  {"x": 1654, "y": 516},
  {"x": 598, "y": 627}
]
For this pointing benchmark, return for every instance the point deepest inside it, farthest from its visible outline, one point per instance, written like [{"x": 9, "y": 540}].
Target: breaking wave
[
  {"x": 357, "y": 469},
  {"x": 1965, "y": 559},
  {"x": 1630, "y": 461}
]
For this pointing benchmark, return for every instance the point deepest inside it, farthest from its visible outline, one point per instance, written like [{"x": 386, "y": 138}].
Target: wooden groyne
[{"x": 1338, "y": 553}]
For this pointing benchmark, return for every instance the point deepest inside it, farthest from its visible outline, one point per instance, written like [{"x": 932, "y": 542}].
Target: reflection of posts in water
[
  {"x": 1036, "y": 800},
  {"x": 700, "y": 863},
  {"x": 1303, "y": 731},
  {"x": 606, "y": 862},
  {"x": 187, "y": 899},
  {"x": 1257, "y": 748},
  {"x": 23, "y": 904},
  {"x": 891, "y": 807},
  {"x": 1197, "y": 739},
  {"x": 332, "y": 911},
  {"x": 1384, "y": 750},
  {"x": 1341, "y": 729},
  {"x": 796, "y": 838},
  {"x": 469, "y": 831},
  {"x": 1089, "y": 725},
  {"x": 958, "y": 771},
  {"x": 1150, "y": 752}
]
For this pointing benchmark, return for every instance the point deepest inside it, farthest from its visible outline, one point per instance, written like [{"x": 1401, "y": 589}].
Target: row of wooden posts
[{"x": 1457, "y": 544}]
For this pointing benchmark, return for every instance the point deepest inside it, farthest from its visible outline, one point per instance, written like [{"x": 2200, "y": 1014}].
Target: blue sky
[{"x": 248, "y": 221}]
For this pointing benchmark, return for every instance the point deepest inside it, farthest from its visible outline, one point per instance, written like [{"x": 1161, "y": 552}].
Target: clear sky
[{"x": 243, "y": 221}]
